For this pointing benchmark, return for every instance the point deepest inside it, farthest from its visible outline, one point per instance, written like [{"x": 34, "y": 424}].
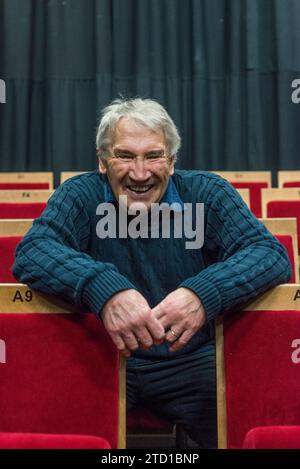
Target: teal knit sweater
[{"x": 62, "y": 255}]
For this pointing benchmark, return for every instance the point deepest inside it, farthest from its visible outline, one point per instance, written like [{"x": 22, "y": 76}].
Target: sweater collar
[{"x": 170, "y": 197}]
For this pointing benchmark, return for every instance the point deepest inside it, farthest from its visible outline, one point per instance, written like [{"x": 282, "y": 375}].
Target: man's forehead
[{"x": 129, "y": 129}]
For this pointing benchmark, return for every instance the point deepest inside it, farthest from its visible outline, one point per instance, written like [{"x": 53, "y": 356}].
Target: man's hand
[
  {"x": 130, "y": 323},
  {"x": 182, "y": 314}
]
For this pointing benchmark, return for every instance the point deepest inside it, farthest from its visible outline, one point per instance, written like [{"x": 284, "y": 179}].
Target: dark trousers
[{"x": 181, "y": 389}]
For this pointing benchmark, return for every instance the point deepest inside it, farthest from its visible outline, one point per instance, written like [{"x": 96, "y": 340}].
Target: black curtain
[{"x": 222, "y": 68}]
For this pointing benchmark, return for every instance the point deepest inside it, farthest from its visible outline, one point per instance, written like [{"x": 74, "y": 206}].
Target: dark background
[{"x": 222, "y": 68}]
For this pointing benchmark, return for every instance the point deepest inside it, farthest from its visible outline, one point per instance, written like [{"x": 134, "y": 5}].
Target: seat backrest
[
  {"x": 245, "y": 194},
  {"x": 285, "y": 230},
  {"x": 64, "y": 175},
  {"x": 258, "y": 365},
  {"x": 16, "y": 204},
  {"x": 255, "y": 181},
  {"x": 59, "y": 371},
  {"x": 11, "y": 233},
  {"x": 288, "y": 179},
  {"x": 26, "y": 180},
  {"x": 282, "y": 203}
]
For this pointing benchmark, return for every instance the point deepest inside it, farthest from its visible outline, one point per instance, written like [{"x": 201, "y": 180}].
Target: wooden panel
[
  {"x": 287, "y": 176},
  {"x": 245, "y": 194},
  {"x": 24, "y": 196},
  {"x": 268, "y": 195},
  {"x": 14, "y": 227},
  {"x": 64, "y": 175},
  {"x": 246, "y": 176},
  {"x": 28, "y": 177}
]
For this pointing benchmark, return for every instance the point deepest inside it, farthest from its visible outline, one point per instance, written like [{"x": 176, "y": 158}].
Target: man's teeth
[{"x": 139, "y": 188}]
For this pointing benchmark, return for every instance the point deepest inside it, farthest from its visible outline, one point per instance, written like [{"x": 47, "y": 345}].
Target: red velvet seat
[
  {"x": 255, "y": 194},
  {"x": 59, "y": 373},
  {"x": 287, "y": 241},
  {"x": 8, "y": 246},
  {"x": 285, "y": 209},
  {"x": 21, "y": 210},
  {"x": 273, "y": 437},
  {"x": 24, "y": 185},
  {"x": 261, "y": 353},
  {"x": 49, "y": 441},
  {"x": 291, "y": 184}
]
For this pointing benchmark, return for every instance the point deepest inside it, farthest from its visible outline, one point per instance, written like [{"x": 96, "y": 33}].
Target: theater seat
[
  {"x": 26, "y": 180},
  {"x": 23, "y": 185},
  {"x": 60, "y": 373},
  {"x": 287, "y": 242},
  {"x": 7, "y": 252},
  {"x": 285, "y": 209},
  {"x": 15, "y": 210},
  {"x": 273, "y": 437},
  {"x": 258, "y": 371},
  {"x": 288, "y": 179},
  {"x": 255, "y": 181},
  {"x": 50, "y": 441}
]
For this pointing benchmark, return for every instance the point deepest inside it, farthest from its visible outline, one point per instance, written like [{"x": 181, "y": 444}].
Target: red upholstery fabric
[
  {"x": 285, "y": 209},
  {"x": 23, "y": 185},
  {"x": 287, "y": 241},
  {"x": 7, "y": 251},
  {"x": 60, "y": 376},
  {"x": 27, "y": 210},
  {"x": 143, "y": 420},
  {"x": 278, "y": 437},
  {"x": 291, "y": 184},
  {"x": 255, "y": 194},
  {"x": 262, "y": 379},
  {"x": 48, "y": 441}
]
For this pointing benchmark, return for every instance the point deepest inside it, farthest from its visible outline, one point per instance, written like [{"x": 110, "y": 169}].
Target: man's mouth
[{"x": 140, "y": 189}]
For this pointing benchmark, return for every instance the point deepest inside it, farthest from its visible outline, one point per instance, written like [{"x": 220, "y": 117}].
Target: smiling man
[{"x": 156, "y": 297}]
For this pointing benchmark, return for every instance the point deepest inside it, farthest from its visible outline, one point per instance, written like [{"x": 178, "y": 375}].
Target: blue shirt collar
[{"x": 170, "y": 197}]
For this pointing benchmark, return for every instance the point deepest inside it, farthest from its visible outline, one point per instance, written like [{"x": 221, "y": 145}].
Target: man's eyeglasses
[{"x": 151, "y": 157}]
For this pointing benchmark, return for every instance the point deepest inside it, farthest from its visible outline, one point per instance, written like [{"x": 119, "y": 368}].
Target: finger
[
  {"x": 181, "y": 341},
  {"x": 174, "y": 333},
  {"x": 120, "y": 344},
  {"x": 130, "y": 340},
  {"x": 144, "y": 338},
  {"x": 156, "y": 329},
  {"x": 158, "y": 311}
]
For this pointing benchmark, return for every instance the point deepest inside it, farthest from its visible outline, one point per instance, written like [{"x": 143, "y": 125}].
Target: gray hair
[{"x": 143, "y": 111}]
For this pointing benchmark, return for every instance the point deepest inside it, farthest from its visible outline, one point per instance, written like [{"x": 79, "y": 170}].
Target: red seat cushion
[
  {"x": 285, "y": 209},
  {"x": 273, "y": 437},
  {"x": 262, "y": 371},
  {"x": 7, "y": 252},
  {"x": 255, "y": 194},
  {"x": 24, "y": 185},
  {"x": 60, "y": 375},
  {"x": 287, "y": 242},
  {"x": 143, "y": 420},
  {"x": 291, "y": 184},
  {"x": 48, "y": 441},
  {"x": 16, "y": 210}
]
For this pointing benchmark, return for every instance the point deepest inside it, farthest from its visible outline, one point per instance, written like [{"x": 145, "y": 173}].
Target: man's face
[{"x": 139, "y": 165}]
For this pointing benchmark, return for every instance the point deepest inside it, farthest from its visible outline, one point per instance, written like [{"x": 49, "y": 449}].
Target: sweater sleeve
[
  {"x": 51, "y": 258},
  {"x": 248, "y": 260}
]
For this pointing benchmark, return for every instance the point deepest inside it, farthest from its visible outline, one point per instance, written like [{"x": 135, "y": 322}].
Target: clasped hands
[{"x": 131, "y": 323}]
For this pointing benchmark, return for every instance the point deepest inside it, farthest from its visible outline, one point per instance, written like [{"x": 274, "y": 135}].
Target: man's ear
[
  {"x": 102, "y": 165},
  {"x": 171, "y": 165}
]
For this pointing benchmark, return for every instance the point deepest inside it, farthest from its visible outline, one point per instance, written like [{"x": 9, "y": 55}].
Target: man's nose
[{"x": 139, "y": 170}]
